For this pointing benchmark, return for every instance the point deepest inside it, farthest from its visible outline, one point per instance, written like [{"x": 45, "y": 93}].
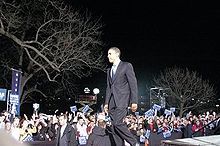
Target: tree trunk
[{"x": 181, "y": 109}]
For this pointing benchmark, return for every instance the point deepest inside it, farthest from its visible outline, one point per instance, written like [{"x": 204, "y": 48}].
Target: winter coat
[{"x": 98, "y": 137}]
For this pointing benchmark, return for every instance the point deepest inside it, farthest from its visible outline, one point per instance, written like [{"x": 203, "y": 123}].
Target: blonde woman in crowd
[{"x": 27, "y": 129}]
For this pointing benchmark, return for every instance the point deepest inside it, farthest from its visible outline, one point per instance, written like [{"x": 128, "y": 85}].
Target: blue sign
[
  {"x": 14, "y": 104},
  {"x": 16, "y": 81},
  {"x": 172, "y": 109},
  {"x": 156, "y": 107},
  {"x": 167, "y": 112},
  {"x": 142, "y": 139},
  {"x": 3, "y": 94},
  {"x": 14, "y": 99},
  {"x": 73, "y": 108},
  {"x": 147, "y": 134},
  {"x": 166, "y": 134},
  {"x": 15, "y": 92},
  {"x": 149, "y": 113},
  {"x": 85, "y": 109}
]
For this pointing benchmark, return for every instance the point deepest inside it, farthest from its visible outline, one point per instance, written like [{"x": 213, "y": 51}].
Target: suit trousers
[{"x": 119, "y": 129}]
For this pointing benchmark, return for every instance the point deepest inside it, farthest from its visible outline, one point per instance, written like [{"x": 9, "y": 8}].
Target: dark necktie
[{"x": 113, "y": 71}]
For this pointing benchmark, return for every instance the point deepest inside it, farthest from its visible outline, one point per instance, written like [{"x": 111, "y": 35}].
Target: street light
[
  {"x": 217, "y": 105},
  {"x": 96, "y": 91}
]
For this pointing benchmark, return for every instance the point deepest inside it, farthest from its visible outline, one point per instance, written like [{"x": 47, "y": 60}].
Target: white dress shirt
[
  {"x": 62, "y": 129},
  {"x": 114, "y": 67}
]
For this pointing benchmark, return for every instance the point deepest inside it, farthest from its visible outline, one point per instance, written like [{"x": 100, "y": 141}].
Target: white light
[
  {"x": 36, "y": 106},
  {"x": 86, "y": 90},
  {"x": 96, "y": 91}
]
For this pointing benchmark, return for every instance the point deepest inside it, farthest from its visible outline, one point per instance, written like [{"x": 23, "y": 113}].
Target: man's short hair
[
  {"x": 116, "y": 49},
  {"x": 64, "y": 116}
]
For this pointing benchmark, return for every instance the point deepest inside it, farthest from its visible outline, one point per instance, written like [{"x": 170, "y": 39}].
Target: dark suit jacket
[
  {"x": 68, "y": 138},
  {"x": 98, "y": 137},
  {"x": 123, "y": 87}
]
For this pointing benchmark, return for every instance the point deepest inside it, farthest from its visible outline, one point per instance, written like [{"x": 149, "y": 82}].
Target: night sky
[{"x": 153, "y": 35}]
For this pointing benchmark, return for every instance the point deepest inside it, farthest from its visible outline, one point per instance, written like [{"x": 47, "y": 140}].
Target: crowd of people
[
  {"x": 42, "y": 127},
  {"x": 112, "y": 126}
]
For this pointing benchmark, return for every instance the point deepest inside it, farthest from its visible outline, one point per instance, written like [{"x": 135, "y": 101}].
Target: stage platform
[{"x": 213, "y": 140}]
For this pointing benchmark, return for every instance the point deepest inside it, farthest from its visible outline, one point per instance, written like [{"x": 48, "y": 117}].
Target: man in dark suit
[
  {"x": 65, "y": 133},
  {"x": 121, "y": 92}
]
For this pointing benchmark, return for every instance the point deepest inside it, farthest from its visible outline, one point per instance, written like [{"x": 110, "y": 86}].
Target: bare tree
[
  {"x": 51, "y": 38},
  {"x": 187, "y": 90}
]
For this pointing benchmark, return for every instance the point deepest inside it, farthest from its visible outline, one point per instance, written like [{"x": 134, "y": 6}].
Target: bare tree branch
[
  {"x": 187, "y": 88},
  {"x": 56, "y": 38}
]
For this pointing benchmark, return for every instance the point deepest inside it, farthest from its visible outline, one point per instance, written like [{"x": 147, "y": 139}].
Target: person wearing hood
[{"x": 99, "y": 135}]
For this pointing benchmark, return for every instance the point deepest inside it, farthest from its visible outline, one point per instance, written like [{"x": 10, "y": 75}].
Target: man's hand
[
  {"x": 134, "y": 107},
  {"x": 106, "y": 108}
]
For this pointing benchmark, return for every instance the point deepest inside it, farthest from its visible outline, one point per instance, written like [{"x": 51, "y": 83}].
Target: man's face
[
  {"x": 112, "y": 56},
  {"x": 81, "y": 121},
  {"x": 62, "y": 120}
]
